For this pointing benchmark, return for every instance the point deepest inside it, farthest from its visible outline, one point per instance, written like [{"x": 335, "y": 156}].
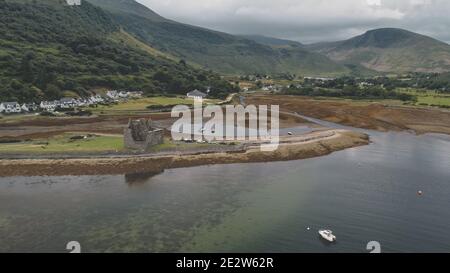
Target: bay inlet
[{"x": 363, "y": 194}]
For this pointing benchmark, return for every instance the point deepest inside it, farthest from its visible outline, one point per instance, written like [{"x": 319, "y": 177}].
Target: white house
[
  {"x": 48, "y": 106},
  {"x": 32, "y": 107},
  {"x": 96, "y": 99},
  {"x": 25, "y": 108},
  {"x": 123, "y": 94},
  {"x": 10, "y": 107},
  {"x": 83, "y": 102},
  {"x": 135, "y": 94},
  {"x": 66, "y": 103},
  {"x": 112, "y": 94},
  {"x": 196, "y": 94}
]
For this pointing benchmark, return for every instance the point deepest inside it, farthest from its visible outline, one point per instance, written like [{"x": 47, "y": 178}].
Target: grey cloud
[{"x": 309, "y": 20}]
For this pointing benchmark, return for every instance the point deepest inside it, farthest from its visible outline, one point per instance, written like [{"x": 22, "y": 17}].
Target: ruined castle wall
[
  {"x": 140, "y": 135},
  {"x": 129, "y": 141},
  {"x": 154, "y": 138}
]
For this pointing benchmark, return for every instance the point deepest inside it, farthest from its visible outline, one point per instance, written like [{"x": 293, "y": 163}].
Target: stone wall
[
  {"x": 155, "y": 137},
  {"x": 141, "y": 135}
]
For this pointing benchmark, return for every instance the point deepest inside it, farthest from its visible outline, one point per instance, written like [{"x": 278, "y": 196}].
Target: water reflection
[{"x": 135, "y": 179}]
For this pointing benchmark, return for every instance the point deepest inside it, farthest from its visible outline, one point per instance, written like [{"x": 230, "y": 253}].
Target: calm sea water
[{"x": 363, "y": 194}]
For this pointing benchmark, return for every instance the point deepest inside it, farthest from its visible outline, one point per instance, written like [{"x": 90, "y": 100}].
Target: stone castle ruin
[{"x": 142, "y": 135}]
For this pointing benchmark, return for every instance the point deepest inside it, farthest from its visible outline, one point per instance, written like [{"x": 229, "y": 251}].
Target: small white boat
[
  {"x": 327, "y": 235},
  {"x": 290, "y": 133}
]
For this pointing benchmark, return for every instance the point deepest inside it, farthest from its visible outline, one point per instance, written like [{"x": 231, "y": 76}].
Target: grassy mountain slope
[
  {"x": 270, "y": 41},
  {"x": 130, "y": 7},
  {"x": 215, "y": 50},
  {"x": 48, "y": 48},
  {"x": 390, "y": 50}
]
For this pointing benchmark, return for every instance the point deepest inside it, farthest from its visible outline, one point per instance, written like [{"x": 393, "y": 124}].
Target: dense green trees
[
  {"x": 350, "y": 91},
  {"x": 47, "y": 48}
]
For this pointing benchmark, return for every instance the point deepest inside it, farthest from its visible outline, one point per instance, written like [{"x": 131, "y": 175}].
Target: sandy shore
[{"x": 291, "y": 148}]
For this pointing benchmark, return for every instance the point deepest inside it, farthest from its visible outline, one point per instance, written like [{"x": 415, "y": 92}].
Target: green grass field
[
  {"x": 428, "y": 97},
  {"x": 140, "y": 105},
  {"x": 63, "y": 144}
]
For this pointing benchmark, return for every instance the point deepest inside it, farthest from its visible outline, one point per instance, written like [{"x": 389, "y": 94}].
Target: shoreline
[{"x": 301, "y": 147}]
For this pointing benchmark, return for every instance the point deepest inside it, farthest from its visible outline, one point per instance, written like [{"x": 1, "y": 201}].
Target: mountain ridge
[
  {"x": 272, "y": 41},
  {"x": 389, "y": 50},
  {"x": 218, "y": 51}
]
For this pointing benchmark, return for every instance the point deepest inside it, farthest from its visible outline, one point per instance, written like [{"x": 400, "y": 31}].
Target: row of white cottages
[
  {"x": 66, "y": 103},
  {"x": 117, "y": 95},
  {"x": 50, "y": 106}
]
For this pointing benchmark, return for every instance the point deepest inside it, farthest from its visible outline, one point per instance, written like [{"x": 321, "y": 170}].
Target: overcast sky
[{"x": 309, "y": 21}]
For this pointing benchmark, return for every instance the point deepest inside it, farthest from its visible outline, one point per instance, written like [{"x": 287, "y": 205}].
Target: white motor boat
[{"x": 327, "y": 235}]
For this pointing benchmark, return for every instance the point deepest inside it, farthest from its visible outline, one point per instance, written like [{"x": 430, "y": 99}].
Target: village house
[
  {"x": 48, "y": 106},
  {"x": 135, "y": 94},
  {"x": 196, "y": 94},
  {"x": 123, "y": 94},
  {"x": 113, "y": 94},
  {"x": 25, "y": 107},
  {"x": 10, "y": 107},
  {"x": 66, "y": 103},
  {"x": 117, "y": 95},
  {"x": 32, "y": 107},
  {"x": 82, "y": 102},
  {"x": 96, "y": 99}
]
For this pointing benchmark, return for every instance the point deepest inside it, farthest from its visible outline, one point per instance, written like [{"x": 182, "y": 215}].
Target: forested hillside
[
  {"x": 49, "y": 49},
  {"x": 221, "y": 52}
]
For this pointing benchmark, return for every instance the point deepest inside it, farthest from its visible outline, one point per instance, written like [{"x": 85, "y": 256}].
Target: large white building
[{"x": 196, "y": 95}]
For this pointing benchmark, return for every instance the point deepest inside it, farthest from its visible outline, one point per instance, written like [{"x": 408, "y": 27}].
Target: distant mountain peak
[
  {"x": 383, "y": 38},
  {"x": 390, "y": 50}
]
